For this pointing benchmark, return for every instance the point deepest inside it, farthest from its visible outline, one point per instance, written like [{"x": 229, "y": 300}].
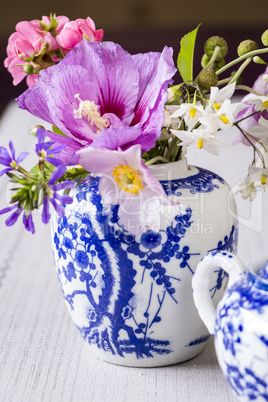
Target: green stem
[
  {"x": 157, "y": 159},
  {"x": 255, "y": 149},
  {"x": 24, "y": 172},
  {"x": 171, "y": 148},
  {"x": 240, "y": 70},
  {"x": 246, "y": 88},
  {"x": 245, "y": 56},
  {"x": 244, "y": 118},
  {"x": 211, "y": 61},
  {"x": 176, "y": 151},
  {"x": 225, "y": 81}
]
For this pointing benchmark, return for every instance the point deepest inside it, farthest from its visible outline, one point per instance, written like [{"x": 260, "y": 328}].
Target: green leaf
[
  {"x": 186, "y": 55},
  {"x": 56, "y": 130}
]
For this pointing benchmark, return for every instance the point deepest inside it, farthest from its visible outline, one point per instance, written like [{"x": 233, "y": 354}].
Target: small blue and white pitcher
[{"x": 240, "y": 323}]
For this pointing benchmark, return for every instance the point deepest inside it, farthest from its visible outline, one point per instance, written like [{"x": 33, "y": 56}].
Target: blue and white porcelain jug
[
  {"x": 131, "y": 296},
  {"x": 240, "y": 323}
]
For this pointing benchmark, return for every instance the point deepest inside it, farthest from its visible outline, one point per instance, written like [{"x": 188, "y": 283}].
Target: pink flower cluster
[{"x": 40, "y": 44}]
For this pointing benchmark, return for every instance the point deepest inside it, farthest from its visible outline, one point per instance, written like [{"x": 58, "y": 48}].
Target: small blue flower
[
  {"x": 13, "y": 217},
  {"x": 51, "y": 195},
  {"x": 69, "y": 271},
  {"x": 43, "y": 149},
  {"x": 9, "y": 160},
  {"x": 151, "y": 239}
]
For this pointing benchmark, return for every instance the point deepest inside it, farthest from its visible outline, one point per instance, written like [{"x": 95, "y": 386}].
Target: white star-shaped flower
[
  {"x": 222, "y": 118},
  {"x": 190, "y": 113},
  {"x": 260, "y": 102},
  {"x": 218, "y": 96},
  {"x": 257, "y": 179},
  {"x": 202, "y": 138}
]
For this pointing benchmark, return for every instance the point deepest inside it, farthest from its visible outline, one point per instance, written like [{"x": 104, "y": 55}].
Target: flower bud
[
  {"x": 204, "y": 61},
  {"x": 218, "y": 64},
  {"x": 28, "y": 69},
  {"x": 211, "y": 44},
  {"x": 33, "y": 129},
  {"x": 247, "y": 46},
  {"x": 258, "y": 60},
  {"x": 171, "y": 96},
  {"x": 207, "y": 79},
  {"x": 264, "y": 38}
]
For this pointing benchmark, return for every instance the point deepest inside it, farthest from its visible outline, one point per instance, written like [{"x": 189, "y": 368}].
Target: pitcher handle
[{"x": 228, "y": 262}]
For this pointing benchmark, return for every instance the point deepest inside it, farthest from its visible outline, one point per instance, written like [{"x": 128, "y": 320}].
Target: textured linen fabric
[{"x": 42, "y": 355}]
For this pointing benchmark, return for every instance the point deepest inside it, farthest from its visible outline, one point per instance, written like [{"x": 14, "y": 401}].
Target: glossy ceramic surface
[
  {"x": 241, "y": 326},
  {"x": 131, "y": 297}
]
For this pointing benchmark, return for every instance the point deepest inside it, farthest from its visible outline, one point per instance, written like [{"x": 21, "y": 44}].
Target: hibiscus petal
[
  {"x": 114, "y": 138},
  {"x": 114, "y": 74},
  {"x": 156, "y": 71},
  {"x": 56, "y": 87},
  {"x": 67, "y": 155}
]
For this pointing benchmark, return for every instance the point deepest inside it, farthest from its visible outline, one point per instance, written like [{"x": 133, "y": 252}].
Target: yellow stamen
[
  {"x": 224, "y": 119},
  {"x": 14, "y": 164},
  {"x": 50, "y": 193},
  {"x": 128, "y": 179},
  {"x": 217, "y": 106},
  {"x": 263, "y": 179},
  {"x": 265, "y": 104},
  {"x": 90, "y": 110},
  {"x": 200, "y": 144},
  {"x": 192, "y": 112}
]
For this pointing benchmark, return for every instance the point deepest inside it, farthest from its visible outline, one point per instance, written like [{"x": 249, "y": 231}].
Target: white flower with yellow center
[
  {"x": 218, "y": 96},
  {"x": 127, "y": 182},
  {"x": 257, "y": 179},
  {"x": 221, "y": 118},
  {"x": 190, "y": 112},
  {"x": 260, "y": 102},
  {"x": 202, "y": 138}
]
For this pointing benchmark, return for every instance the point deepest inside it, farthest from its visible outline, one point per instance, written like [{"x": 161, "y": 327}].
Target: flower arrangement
[{"x": 113, "y": 114}]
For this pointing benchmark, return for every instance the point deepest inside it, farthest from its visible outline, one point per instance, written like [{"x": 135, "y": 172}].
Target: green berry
[
  {"x": 207, "y": 79},
  {"x": 264, "y": 38},
  {"x": 247, "y": 46},
  {"x": 212, "y": 43}
]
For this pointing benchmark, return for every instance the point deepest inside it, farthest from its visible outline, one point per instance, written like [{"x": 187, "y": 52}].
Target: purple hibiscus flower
[{"x": 98, "y": 86}]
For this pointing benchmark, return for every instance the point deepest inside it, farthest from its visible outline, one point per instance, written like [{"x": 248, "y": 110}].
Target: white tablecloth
[{"x": 42, "y": 355}]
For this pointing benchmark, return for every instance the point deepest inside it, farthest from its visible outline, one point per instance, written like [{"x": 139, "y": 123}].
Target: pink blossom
[
  {"x": 27, "y": 44},
  {"x": 75, "y": 31},
  {"x": 127, "y": 182}
]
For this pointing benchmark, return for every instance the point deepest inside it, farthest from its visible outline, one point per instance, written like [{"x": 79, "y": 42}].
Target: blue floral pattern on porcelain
[
  {"x": 123, "y": 286},
  {"x": 241, "y": 330},
  {"x": 241, "y": 336}
]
